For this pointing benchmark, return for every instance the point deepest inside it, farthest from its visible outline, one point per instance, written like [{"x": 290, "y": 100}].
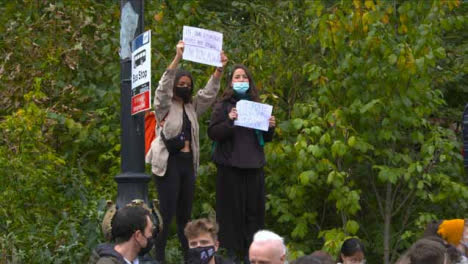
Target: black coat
[
  {"x": 220, "y": 260},
  {"x": 106, "y": 254},
  {"x": 235, "y": 146}
]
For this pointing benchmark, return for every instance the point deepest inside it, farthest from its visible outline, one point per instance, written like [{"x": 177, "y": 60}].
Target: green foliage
[
  {"x": 59, "y": 128},
  {"x": 366, "y": 94}
]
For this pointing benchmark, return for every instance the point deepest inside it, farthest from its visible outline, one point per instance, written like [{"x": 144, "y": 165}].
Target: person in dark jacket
[
  {"x": 239, "y": 157},
  {"x": 132, "y": 230},
  {"x": 106, "y": 254}
]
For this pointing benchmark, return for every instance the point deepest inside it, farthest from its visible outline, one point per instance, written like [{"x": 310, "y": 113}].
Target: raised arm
[
  {"x": 207, "y": 96},
  {"x": 164, "y": 93}
]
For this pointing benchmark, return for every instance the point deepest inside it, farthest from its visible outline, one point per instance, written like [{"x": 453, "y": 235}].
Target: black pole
[{"x": 132, "y": 181}]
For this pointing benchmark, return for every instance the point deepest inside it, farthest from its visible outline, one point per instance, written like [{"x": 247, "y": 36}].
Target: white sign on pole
[
  {"x": 253, "y": 115},
  {"x": 141, "y": 73},
  {"x": 202, "y": 46}
]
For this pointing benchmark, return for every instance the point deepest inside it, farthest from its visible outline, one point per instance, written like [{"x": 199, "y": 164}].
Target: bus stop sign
[{"x": 141, "y": 73}]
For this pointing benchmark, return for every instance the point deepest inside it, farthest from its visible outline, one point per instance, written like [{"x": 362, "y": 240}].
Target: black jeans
[{"x": 175, "y": 194}]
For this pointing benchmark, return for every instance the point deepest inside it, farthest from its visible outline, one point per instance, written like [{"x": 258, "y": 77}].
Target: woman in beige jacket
[{"x": 174, "y": 154}]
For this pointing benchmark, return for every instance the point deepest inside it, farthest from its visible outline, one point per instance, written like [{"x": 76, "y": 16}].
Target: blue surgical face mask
[{"x": 240, "y": 87}]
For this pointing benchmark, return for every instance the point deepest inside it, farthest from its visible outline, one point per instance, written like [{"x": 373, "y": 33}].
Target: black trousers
[
  {"x": 175, "y": 194},
  {"x": 240, "y": 207}
]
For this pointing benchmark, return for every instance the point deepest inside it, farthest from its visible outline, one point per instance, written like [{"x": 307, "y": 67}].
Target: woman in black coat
[{"x": 239, "y": 158}]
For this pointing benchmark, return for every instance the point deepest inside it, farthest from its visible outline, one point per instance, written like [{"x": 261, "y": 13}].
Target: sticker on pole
[
  {"x": 141, "y": 73},
  {"x": 202, "y": 46}
]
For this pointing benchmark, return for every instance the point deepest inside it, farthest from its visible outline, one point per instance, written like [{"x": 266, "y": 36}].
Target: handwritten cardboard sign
[
  {"x": 202, "y": 46},
  {"x": 253, "y": 115}
]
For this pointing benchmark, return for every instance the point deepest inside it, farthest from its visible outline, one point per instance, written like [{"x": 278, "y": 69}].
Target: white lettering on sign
[{"x": 202, "y": 46}]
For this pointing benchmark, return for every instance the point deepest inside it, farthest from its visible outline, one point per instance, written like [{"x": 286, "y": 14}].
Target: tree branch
[{"x": 379, "y": 199}]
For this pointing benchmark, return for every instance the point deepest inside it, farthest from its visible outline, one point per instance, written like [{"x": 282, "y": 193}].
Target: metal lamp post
[{"x": 132, "y": 181}]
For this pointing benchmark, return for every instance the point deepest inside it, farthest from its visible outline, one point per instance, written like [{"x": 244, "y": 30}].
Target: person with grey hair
[{"x": 267, "y": 247}]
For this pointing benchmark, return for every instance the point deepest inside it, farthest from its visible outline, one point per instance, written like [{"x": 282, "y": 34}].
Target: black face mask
[
  {"x": 149, "y": 246},
  {"x": 184, "y": 93},
  {"x": 200, "y": 255}
]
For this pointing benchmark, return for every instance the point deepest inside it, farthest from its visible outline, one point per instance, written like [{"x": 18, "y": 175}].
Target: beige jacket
[{"x": 164, "y": 105}]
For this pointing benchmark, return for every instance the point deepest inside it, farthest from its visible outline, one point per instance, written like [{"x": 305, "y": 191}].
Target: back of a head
[
  {"x": 453, "y": 253},
  {"x": 126, "y": 221},
  {"x": 426, "y": 251},
  {"x": 350, "y": 247},
  {"x": 323, "y": 256},
  {"x": 307, "y": 260}
]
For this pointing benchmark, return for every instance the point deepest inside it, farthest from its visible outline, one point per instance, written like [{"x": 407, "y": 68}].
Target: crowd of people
[
  {"x": 132, "y": 231},
  {"x": 240, "y": 193}
]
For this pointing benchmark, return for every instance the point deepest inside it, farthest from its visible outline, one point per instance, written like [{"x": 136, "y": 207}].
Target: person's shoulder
[
  {"x": 220, "y": 103},
  {"x": 220, "y": 260},
  {"x": 105, "y": 254},
  {"x": 109, "y": 260}
]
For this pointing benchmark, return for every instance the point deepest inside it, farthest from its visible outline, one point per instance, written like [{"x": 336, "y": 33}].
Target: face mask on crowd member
[
  {"x": 145, "y": 236},
  {"x": 201, "y": 255},
  {"x": 240, "y": 82},
  {"x": 202, "y": 240},
  {"x": 240, "y": 87},
  {"x": 183, "y": 86},
  {"x": 148, "y": 247}
]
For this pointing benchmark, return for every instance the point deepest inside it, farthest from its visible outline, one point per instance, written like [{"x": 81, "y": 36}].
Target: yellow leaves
[
  {"x": 334, "y": 26},
  {"x": 403, "y": 29},
  {"x": 357, "y": 4},
  {"x": 403, "y": 18},
  {"x": 365, "y": 22},
  {"x": 385, "y": 19},
  {"x": 410, "y": 65},
  {"x": 369, "y": 4},
  {"x": 406, "y": 60},
  {"x": 451, "y": 3},
  {"x": 159, "y": 16},
  {"x": 401, "y": 61},
  {"x": 389, "y": 10},
  {"x": 323, "y": 80}
]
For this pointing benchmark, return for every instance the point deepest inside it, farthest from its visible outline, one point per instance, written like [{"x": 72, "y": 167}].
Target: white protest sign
[
  {"x": 141, "y": 73},
  {"x": 202, "y": 46},
  {"x": 253, "y": 115}
]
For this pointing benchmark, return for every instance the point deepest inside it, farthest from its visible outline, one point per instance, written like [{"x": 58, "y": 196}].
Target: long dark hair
[
  {"x": 179, "y": 74},
  {"x": 350, "y": 247},
  {"x": 252, "y": 92}
]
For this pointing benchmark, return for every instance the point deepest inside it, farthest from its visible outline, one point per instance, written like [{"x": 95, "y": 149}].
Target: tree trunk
[{"x": 387, "y": 222}]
